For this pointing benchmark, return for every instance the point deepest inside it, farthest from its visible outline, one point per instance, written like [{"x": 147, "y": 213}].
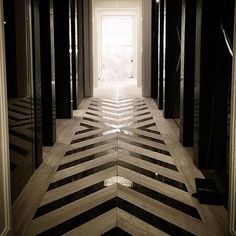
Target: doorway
[
  {"x": 117, "y": 51},
  {"x": 117, "y": 59}
]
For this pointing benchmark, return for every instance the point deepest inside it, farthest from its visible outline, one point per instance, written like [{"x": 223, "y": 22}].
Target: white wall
[
  {"x": 5, "y": 202},
  {"x": 232, "y": 203}
]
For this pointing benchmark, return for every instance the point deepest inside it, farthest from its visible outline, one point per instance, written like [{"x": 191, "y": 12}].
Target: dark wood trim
[
  {"x": 37, "y": 82},
  {"x": 48, "y": 72},
  {"x": 188, "y": 36},
  {"x": 154, "y": 51},
  {"x": 161, "y": 53},
  {"x": 64, "y": 99},
  {"x": 171, "y": 104}
]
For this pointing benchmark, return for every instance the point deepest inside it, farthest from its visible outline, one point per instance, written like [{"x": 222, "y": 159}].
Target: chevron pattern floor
[{"x": 117, "y": 178}]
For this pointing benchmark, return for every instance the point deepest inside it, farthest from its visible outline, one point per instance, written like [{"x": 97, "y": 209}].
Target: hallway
[
  {"x": 118, "y": 174},
  {"x": 117, "y": 117}
]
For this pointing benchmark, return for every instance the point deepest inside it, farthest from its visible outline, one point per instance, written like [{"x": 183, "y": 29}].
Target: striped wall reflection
[
  {"x": 117, "y": 178},
  {"x": 21, "y": 138}
]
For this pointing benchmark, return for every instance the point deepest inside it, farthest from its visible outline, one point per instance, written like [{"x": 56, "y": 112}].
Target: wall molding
[
  {"x": 5, "y": 202},
  {"x": 232, "y": 200}
]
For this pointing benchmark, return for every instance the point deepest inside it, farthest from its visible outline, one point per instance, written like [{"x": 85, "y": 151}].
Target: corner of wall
[{"x": 5, "y": 198}]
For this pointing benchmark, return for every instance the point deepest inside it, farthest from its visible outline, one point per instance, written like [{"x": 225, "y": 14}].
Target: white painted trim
[
  {"x": 232, "y": 195},
  {"x": 5, "y": 196}
]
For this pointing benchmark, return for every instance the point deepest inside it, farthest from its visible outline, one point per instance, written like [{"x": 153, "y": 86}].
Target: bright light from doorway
[
  {"x": 117, "y": 48},
  {"x": 118, "y": 57}
]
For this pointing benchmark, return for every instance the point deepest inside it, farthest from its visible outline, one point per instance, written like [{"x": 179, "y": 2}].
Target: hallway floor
[
  {"x": 118, "y": 88},
  {"x": 117, "y": 169}
]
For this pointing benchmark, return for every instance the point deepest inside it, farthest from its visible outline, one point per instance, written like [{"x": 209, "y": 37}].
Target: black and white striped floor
[{"x": 117, "y": 178}]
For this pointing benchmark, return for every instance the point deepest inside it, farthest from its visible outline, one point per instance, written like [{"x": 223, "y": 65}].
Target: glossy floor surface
[
  {"x": 117, "y": 169},
  {"x": 118, "y": 88},
  {"x": 117, "y": 177}
]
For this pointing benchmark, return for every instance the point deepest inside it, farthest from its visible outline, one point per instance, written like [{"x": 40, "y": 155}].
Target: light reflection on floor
[
  {"x": 118, "y": 89},
  {"x": 118, "y": 180}
]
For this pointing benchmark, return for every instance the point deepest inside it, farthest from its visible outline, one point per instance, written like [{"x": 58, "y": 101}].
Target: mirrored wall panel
[{"x": 20, "y": 92}]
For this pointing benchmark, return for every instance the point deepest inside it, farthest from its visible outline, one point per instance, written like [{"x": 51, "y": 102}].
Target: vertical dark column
[
  {"x": 62, "y": 59},
  {"x": 187, "y": 71},
  {"x": 154, "y": 79},
  {"x": 87, "y": 46},
  {"x": 80, "y": 49},
  {"x": 20, "y": 97},
  {"x": 205, "y": 80},
  {"x": 37, "y": 82},
  {"x": 212, "y": 86},
  {"x": 74, "y": 40},
  {"x": 160, "y": 53},
  {"x": 48, "y": 72},
  {"x": 172, "y": 61},
  {"x": 10, "y": 44}
]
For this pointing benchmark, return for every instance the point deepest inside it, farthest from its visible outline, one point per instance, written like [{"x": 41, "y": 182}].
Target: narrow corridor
[
  {"x": 117, "y": 177},
  {"x": 117, "y": 117}
]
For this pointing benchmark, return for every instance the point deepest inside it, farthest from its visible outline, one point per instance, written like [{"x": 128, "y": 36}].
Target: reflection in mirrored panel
[{"x": 20, "y": 92}]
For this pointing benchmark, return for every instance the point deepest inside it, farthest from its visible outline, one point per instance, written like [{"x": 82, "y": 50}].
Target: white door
[{"x": 118, "y": 48}]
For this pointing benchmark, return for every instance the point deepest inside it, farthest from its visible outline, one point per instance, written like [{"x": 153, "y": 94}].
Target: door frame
[
  {"x": 146, "y": 42},
  {"x": 5, "y": 194},
  {"x": 232, "y": 183},
  {"x": 97, "y": 41}
]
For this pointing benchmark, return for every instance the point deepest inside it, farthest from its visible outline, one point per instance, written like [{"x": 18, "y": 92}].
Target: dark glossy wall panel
[
  {"x": 64, "y": 100},
  {"x": 188, "y": 36},
  {"x": 154, "y": 78},
  {"x": 74, "y": 51},
  {"x": 212, "y": 89},
  {"x": 37, "y": 82},
  {"x": 80, "y": 63},
  {"x": 10, "y": 44},
  {"x": 172, "y": 59},
  {"x": 160, "y": 53},
  {"x": 21, "y": 105},
  {"x": 48, "y": 72},
  {"x": 212, "y": 82}
]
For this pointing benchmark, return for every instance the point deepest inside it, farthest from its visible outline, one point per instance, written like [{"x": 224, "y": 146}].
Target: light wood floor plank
[
  {"x": 165, "y": 189},
  {"x": 148, "y": 166},
  {"x": 97, "y": 226},
  {"x": 165, "y": 212},
  {"x": 135, "y": 226},
  {"x": 85, "y": 166},
  {"x": 60, "y": 215},
  {"x": 75, "y": 186},
  {"x": 143, "y": 151}
]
